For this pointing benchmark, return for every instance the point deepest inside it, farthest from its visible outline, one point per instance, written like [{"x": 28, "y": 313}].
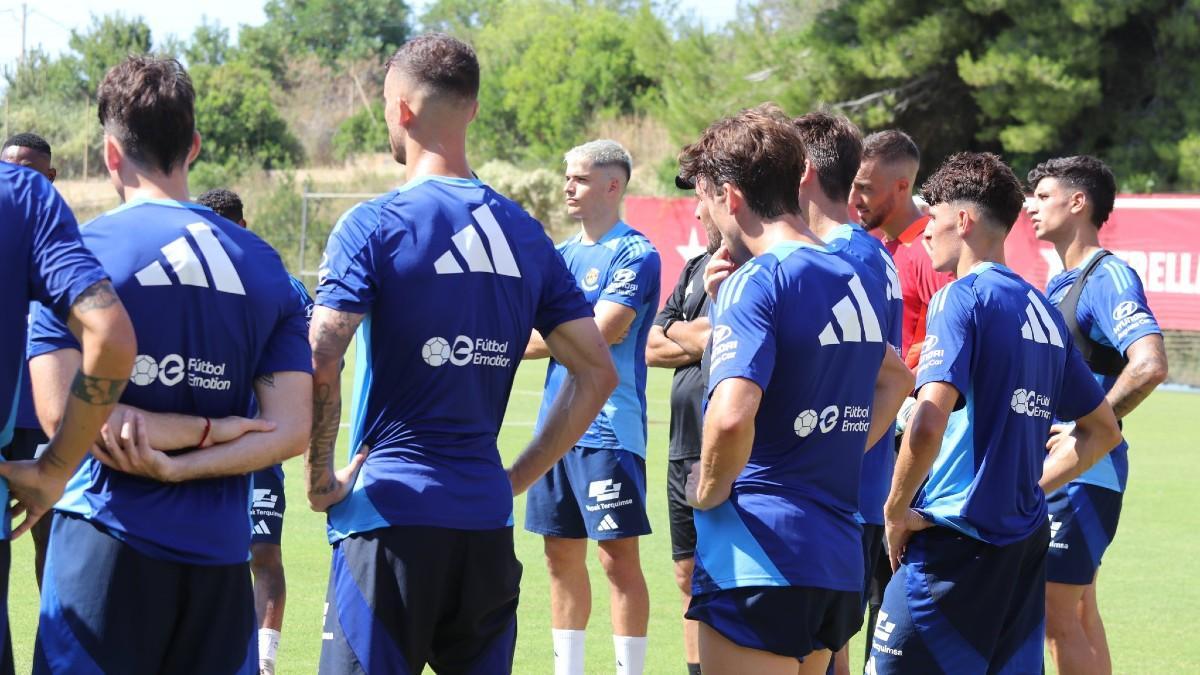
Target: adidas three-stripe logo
[
  {"x": 893, "y": 277},
  {"x": 261, "y": 528},
  {"x": 1038, "y": 326},
  {"x": 471, "y": 248},
  {"x": 607, "y": 523},
  {"x": 187, "y": 266},
  {"x": 856, "y": 323}
]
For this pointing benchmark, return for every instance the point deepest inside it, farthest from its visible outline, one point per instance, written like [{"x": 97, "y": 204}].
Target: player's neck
[
  {"x": 593, "y": 230},
  {"x": 447, "y": 159},
  {"x": 135, "y": 185},
  {"x": 899, "y": 220},
  {"x": 974, "y": 253},
  {"x": 1075, "y": 250},
  {"x": 824, "y": 216},
  {"x": 787, "y": 227}
]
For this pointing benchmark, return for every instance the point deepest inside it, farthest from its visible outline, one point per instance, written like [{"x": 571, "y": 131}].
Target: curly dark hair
[
  {"x": 834, "y": 146},
  {"x": 28, "y": 140},
  {"x": 224, "y": 201},
  {"x": 982, "y": 179},
  {"x": 443, "y": 64},
  {"x": 759, "y": 150},
  {"x": 148, "y": 104},
  {"x": 1085, "y": 173}
]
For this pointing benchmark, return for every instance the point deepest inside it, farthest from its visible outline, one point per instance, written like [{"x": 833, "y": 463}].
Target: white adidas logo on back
[
  {"x": 1039, "y": 327},
  {"x": 474, "y": 252},
  {"x": 188, "y": 267},
  {"x": 857, "y": 324}
]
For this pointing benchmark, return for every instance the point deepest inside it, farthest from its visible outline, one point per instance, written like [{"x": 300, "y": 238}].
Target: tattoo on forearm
[
  {"x": 97, "y": 390},
  {"x": 327, "y": 414},
  {"x": 329, "y": 335},
  {"x": 267, "y": 380},
  {"x": 98, "y": 296}
]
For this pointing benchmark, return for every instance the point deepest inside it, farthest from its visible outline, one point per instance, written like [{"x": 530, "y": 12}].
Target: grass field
[{"x": 1148, "y": 591}]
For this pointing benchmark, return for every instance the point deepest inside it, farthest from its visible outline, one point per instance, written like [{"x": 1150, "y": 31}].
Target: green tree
[
  {"x": 336, "y": 30},
  {"x": 108, "y": 41},
  {"x": 362, "y": 132},
  {"x": 209, "y": 45},
  {"x": 238, "y": 123}
]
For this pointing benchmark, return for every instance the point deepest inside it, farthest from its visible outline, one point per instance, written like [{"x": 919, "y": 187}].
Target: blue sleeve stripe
[{"x": 1119, "y": 276}]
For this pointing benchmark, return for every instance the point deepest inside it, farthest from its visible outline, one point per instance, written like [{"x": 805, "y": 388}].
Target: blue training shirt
[
  {"x": 301, "y": 296},
  {"x": 622, "y": 267},
  {"x": 880, "y": 461},
  {"x": 43, "y": 259},
  {"x": 799, "y": 322},
  {"x": 452, "y": 278},
  {"x": 1113, "y": 311},
  {"x": 213, "y": 309},
  {"x": 998, "y": 341}
]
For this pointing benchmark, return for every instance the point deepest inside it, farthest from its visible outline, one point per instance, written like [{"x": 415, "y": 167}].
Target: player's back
[
  {"x": 804, "y": 315},
  {"x": 212, "y": 307},
  {"x": 452, "y": 278},
  {"x": 998, "y": 341}
]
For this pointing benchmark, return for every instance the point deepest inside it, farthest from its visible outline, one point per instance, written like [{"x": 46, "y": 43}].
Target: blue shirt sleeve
[
  {"x": 560, "y": 299},
  {"x": 1081, "y": 393},
  {"x": 743, "y": 333},
  {"x": 949, "y": 338},
  {"x": 287, "y": 349},
  {"x": 1116, "y": 303},
  {"x": 347, "y": 280},
  {"x": 634, "y": 275},
  {"x": 62, "y": 268},
  {"x": 47, "y": 332}
]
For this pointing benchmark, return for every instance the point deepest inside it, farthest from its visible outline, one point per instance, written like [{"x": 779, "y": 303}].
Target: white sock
[
  {"x": 631, "y": 654},
  {"x": 568, "y": 651},
  {"x": 268, "y": 646}
]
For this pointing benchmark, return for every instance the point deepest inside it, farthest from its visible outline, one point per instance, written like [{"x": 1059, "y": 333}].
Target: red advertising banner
[{"x": 1158, "y": 235}]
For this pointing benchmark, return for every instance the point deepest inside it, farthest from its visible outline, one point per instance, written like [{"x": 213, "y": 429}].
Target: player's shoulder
[
  {"x": 631, "y": 244},
  {"x": 18, "y": 183},
  {"x": 1117, "y": 274},
  {"x": 364, "y": 216}
]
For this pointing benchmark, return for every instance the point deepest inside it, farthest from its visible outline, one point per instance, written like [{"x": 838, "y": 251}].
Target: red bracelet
[{"x": 204, "y": 436}]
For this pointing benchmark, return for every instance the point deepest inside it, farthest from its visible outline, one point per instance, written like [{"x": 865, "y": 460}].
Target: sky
[{"x": 49, "y": 25}]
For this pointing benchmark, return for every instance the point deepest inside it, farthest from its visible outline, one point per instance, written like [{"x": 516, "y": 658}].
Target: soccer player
[
  {"x": 793, "y": 404},
  {"x": 883, "y": 197},
  {"x": 678, "y": 339},
  {"x": 1106, "y": 311},
  {"x": 598, "y": 490},
  {"x": 444, "y": 280},
  {"x": 833, "y": 146},
  {"x": 44, "y": 260},
  {"x": 147, "y": 569},
  {"x": 268, "y": 501},
  {"x": 32, "y": 151},
  {"x": 968, "y": 595}
]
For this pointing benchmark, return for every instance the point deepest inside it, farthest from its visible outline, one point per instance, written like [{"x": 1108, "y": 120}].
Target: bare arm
[
  {"x": 894, "y": 383},
  {"x": 920, "y": 447},
  {"x": 692, "y": 335},
  {"x": 591, "y": 378},
  {"x": 1074, "y": 451},
  {"x": 728, "y": 438},
  {"x": 100, "y": 323},
  {"x": 329, "y": 334},
  {"x": 663, "y": 352},
  {"x": 52, "y": 375},
  {"x": 1147, "y": 368},
  {"x": 613, "y": 319}
]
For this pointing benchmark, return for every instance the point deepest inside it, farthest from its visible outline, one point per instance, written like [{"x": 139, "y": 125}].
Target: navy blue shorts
[
  {"x": 786, "y": 620},
  {"x": 1083, "y": 522},
  {"x": 590, "y": 493},
  {"x": 106, "y": 608},
  {"x": 958, "y": 605},
  {"x": 267, "y": 506},
  {"x": 405, "y": 596},
  {"x": 24, "y": 444}
]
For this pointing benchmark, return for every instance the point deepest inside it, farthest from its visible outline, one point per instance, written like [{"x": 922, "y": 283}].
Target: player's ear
[
  {"x": 406, "y": 113},
  {"x": 810, "y": 173},
  {"x": 194, "y": 151},
  {"x": 1077, "y": 202},
  {"x": 52, "y": 173},
  {"x": 113, "y": 156},
  {"x": 732, "y": 198},
  {"x": 964, "y": 222}
]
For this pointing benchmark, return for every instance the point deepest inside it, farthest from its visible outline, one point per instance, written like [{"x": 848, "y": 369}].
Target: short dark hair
[
  {"x": 891, "y": 145},
  {"x": 1086, "y": 173},
  {"x": 980, "y": 178},
  {"x": 443, "y": 64},
  {"x": 28, "y": 140},
  {"x": 833, "y": 145},
  {"x": 224, "y": 201},
  {"x": 758, "y": 151},
  {"x": 148, "y": 104}
]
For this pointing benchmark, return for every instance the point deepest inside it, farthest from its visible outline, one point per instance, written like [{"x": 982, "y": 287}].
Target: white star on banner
[{"x": 692, "y": 248}]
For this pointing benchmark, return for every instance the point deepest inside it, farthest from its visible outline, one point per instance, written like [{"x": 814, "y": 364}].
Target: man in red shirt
[{"x": 882, "y": 197}]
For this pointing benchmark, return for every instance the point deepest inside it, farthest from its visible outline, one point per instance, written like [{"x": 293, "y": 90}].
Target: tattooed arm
[
  {"x": 329, "y": 335},
  {"x": 1147, "y": 368},
  {"x": 100, "y": 323}
]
